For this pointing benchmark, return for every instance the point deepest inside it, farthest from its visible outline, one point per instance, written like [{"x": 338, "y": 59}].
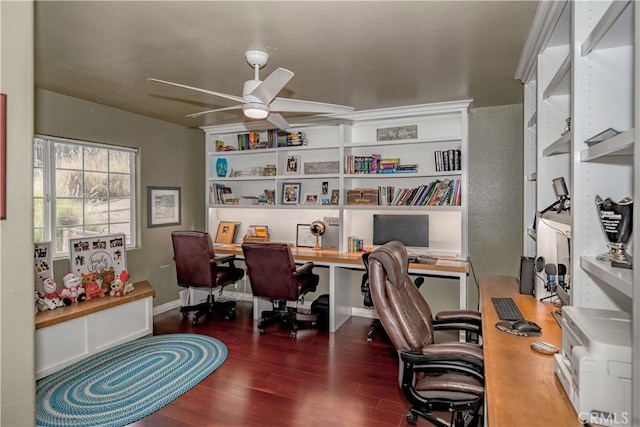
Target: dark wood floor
[{"x": 318, "y": 379}]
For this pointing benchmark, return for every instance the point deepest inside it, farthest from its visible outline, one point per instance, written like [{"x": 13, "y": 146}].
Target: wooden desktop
[
  {"x": 521, "y": 386},
  {"x": 340, "y": 264}
]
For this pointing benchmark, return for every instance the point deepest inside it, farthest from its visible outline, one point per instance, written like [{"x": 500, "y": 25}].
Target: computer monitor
[
  {"x": 560, "y": 188},
  {"x": 410, "y": 230}
]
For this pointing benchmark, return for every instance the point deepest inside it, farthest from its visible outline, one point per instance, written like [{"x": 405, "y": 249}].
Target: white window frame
[{"x": 49, "y": 186}]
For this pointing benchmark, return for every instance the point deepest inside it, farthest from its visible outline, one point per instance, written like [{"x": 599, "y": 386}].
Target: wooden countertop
[
  {"x": 521, "y": 386},
  {"x": 332, "y": 256},
  {"x": 62, "y": 314}
]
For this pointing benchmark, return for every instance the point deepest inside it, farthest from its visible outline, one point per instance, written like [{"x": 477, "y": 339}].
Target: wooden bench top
[{"x": 141, "y": 290}]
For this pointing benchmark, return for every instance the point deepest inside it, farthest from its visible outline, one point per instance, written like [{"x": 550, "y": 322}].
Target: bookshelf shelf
[
  {"x": 561, "y": 145},
  {"x": 533, "y": 120},
  {"x": 561, "y": 81},
  {"x": 370, "y": 144},
  {"x": 619, "y": 145},
  {"x": 615, "y": 28},
  {"x": 618, "y": 278}
]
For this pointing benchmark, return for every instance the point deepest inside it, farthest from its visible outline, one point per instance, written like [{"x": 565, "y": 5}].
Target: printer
[{"x": 595, "y": 366}]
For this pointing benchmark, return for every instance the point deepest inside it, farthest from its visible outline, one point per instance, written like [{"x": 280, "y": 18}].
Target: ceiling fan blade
[
  {"x": 277, "y": 120},
  {"x": 298, "y": 105},
  {"x": 272, "y": 85},
  {"x": 210, "y": 92},
  {"x": 233, "y": 107}
]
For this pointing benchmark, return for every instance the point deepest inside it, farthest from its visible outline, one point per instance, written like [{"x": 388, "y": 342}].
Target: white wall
[
  {"x": 496, "y": 180},
  {"x": 17, "y": 389}
]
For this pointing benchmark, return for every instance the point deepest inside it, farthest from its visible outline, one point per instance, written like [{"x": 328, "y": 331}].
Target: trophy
[{"x": 617, "y": 222}]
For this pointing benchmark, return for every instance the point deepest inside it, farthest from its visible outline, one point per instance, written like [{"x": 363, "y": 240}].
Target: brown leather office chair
[
  {"x": 435, "y": 377},
  {"x": 274, "y": 276},
  {"x": 197, "y": 266},
  {"x": 368, "y": 301}
]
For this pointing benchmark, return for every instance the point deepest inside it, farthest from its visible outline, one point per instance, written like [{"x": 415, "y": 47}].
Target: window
[{"x": 82, "y": 189}]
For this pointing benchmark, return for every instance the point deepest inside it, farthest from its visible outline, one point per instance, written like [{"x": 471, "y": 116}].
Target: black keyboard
[{"x": 506, "y": 309}]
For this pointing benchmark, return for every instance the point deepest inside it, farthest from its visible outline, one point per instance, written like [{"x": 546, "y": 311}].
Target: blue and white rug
[{"x": 126, "y": 383}]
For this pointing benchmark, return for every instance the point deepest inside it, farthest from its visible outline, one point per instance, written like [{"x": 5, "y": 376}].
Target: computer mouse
[{"x": 525, "y": 326}]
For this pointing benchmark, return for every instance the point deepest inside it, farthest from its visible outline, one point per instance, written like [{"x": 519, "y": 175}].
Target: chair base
[
  {"x": 458, "y": 418},
  {"x": 287, "y": 317},
  {"x": 227, "y": 308}
]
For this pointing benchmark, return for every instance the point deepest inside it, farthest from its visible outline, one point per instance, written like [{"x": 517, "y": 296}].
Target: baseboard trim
[{"x": 364, "y": 312}]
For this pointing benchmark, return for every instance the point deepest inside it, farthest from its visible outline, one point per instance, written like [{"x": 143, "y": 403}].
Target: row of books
[
  {"x": 275, "y": 138},
  {"x": 355, "y": 244},
  {"x": 221, "y": 194},
  {"x": 448, "y": 160},
  {"x": 374, "y": 164},
  {"x": 437, "y": 193}
]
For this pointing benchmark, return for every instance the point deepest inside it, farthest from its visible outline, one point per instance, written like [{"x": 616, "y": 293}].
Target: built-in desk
[
  {"x": 69, "y": 334},
  {"x": 521, "y": 386},
  {"x": 340, "y": 264}
]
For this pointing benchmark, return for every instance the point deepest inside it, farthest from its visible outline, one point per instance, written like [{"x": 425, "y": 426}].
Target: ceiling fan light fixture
[{"x": 255, "y": 110}]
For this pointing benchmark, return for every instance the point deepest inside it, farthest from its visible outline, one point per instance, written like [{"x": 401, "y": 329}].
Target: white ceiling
[{"x": 364, "y": 54}]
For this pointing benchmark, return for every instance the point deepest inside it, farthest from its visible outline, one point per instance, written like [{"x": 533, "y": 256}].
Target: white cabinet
[
  {"x": 69, "y": 334},
  {"x": 332, "y": 144},
  {"x": 581, "y": 61}
]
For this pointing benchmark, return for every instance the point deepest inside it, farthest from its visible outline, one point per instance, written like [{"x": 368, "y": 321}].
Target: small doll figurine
[
  {"x": 124, "y": 276},
  {"x": 51, "y": 298},
  {"x": 72, "y": 292},
  {"x": 91, "y": 286}
]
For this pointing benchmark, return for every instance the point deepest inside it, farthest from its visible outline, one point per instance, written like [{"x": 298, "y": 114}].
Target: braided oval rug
[{"x": 126, "y": 383}]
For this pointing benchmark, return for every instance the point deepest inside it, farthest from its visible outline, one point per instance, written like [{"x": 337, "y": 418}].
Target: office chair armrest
[
  {"x": 468, "y": 316},
  {"x": 304, "y": 268},
  {"x": 458, "y": 363},
  {"x": 455, "y": 352},
  {"x": 457, "y": 326},
  {"x": 223, "y": 259}
]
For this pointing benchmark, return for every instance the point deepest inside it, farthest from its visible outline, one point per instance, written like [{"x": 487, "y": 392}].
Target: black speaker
[{"x": 526, "y": 275}]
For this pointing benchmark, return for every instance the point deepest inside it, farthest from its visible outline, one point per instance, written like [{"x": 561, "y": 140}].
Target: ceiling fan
[{"x": 259, "y": 100}]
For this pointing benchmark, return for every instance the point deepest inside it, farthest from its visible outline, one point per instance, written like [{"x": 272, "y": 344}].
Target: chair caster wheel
[
  {"x": 185, "y": 314},
  {"x": 230, "y": 315},
  {"x": 294, "y": 334},
  {"x": 194, "y": 322},
  {"x": 412, "y": 418},
  {"x": 369, "y": 339},
  {"x": 261, "y": 331}
]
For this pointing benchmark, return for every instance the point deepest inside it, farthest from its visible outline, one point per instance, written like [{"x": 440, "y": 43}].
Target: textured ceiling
[{"x": 364, "y": 54}]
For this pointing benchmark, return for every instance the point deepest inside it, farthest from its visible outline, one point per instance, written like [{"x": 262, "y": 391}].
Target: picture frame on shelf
[
  {"x": 226, "y": 232},
  {"x": 292, "y": 165},
  {"x": 163, "y": 206},
  {"x": 304, "y": 237},
  {"x": 335, "y": 197},
  {"x": 311, "y": 199},
  {"x": 397, "y": 133},
  {"x": 291, "y": 193}
]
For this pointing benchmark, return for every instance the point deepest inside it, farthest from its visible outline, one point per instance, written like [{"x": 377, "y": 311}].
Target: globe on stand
[{"x": 317, "y": 229}]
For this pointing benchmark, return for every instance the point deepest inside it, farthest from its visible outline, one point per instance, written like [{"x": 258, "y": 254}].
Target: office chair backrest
[
  {"x": 193, "y": 252},
  {"x": 270, "y": 267},
  {"x": 403, "y": 311}
]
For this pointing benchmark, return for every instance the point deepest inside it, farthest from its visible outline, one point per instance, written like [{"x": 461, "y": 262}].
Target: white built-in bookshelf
[
  {"x": 430, "y": 147},
  {"x": 581, "y": 62}
]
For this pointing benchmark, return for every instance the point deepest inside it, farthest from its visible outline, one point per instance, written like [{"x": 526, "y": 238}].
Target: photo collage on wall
[
  {"x": 43, "y": 264},
  {"x": 95, "y": 254}
]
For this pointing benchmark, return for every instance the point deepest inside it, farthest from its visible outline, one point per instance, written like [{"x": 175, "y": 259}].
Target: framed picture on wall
[{"x": 163, "y": 206}]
